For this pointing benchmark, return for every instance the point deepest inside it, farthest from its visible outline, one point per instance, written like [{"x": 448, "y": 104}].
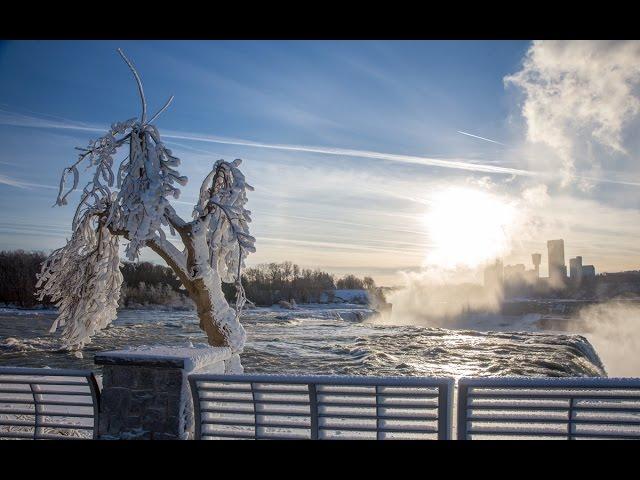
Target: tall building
[
  {"x": 536, "y": 259},
  {"x": 575, "y": 269},
  {"x": 588, "y": 271},
  {"x": 557, "y": 267}
]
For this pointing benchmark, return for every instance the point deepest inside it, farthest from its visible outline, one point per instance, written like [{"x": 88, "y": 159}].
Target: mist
[
  {"x": 613, "y": 328},
  {"x": 440, "y": 298}
]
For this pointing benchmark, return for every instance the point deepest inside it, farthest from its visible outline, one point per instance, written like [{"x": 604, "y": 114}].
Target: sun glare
[{"x": 467, "y": 227}]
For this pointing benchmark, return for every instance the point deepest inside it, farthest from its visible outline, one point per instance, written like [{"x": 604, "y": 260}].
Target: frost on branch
[
  {"x": 223, "y": 195},
  {"x": 83, "y": 279},
  {"x": 133, "y": 201},
  {"x": 145, "y": 179}
]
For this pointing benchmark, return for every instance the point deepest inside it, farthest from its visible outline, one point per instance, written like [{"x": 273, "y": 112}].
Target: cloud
[
  {"x": 459, "y": 164},
  {"x": 15, "y": 182},
  {"x": 16, "y": 119},
  {"x": 579, "y": 96},
  {"x": 464, "y": 164}
]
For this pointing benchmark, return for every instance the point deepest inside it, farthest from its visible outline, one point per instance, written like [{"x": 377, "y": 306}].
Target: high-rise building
[
  {"x": 557, "y": 267},
  {"x": 536, "y": 259},
  {"x": 575, "y": 269},
  {"x": 588, "y": 271}
]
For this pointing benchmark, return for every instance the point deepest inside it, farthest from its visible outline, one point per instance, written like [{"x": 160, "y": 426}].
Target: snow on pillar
[{"x": 145, "y": 392}]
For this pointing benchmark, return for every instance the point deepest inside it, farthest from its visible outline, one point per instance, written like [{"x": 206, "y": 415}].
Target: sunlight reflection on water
[{"x": 317, "y": 340}]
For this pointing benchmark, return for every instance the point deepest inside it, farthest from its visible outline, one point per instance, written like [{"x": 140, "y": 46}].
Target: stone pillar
[{"x": 145, "y": 392}]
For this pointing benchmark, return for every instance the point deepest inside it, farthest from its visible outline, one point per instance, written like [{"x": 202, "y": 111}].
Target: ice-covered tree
[{"x": 132, "y": 201}]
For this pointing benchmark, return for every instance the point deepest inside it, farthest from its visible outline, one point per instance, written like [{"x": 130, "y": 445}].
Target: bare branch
[
  {"x": 170, "y": 254},
  {"x": 166, "y": 105},
  {"x": 143, "y": 117}
]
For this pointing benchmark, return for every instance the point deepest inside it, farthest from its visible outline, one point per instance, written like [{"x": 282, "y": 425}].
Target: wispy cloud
[
  {"x": 16, "y": 119},
  {"x": 15, "y": 182},
  {"x": 470, "y": 165},
  {"x": 458, "y": 164},
  {"x": 481, "y": 138}
]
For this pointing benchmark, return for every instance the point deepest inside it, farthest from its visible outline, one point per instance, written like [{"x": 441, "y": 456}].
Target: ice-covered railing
[
  {"x": 321, "y": 407},
  {"x": 548, "y": 408},
  {"x": 44, "y": 403}
]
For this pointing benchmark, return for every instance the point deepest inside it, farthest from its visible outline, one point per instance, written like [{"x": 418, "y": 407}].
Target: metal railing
[
  {"x": 552, "y": 408},
  {"x": 40, "y": 403},
  {"x": 44, "y": 403},
  {"x": 321, "y": 407}
]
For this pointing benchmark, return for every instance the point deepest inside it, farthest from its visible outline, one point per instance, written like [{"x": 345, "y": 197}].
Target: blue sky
[{"x": 346, "y": 142}]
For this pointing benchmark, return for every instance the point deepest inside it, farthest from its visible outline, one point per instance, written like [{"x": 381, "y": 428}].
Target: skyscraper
[
  {"x": 557, "y": 267},
  {"x": 575, "y": 269},
  {"x": 536, "y": 259}
]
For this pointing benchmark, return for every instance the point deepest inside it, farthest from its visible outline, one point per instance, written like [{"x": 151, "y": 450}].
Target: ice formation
[{"x": 133, "y": 201}]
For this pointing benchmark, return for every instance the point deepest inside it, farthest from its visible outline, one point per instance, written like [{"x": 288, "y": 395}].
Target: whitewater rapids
[{"x": 341, "y": 340}]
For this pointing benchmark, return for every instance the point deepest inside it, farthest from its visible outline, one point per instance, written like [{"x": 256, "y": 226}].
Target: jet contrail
[
  {"x": 458, "y": 164},
  {"x": 481, "y": 138},
  {"x": 17, "y": 119}
]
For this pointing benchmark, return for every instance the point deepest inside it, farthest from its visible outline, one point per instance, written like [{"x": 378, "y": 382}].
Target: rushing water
[{"x": 319, "y": 340}]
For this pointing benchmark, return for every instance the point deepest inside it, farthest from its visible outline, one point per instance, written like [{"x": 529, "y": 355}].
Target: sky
[{"x": 368, "y": 157}]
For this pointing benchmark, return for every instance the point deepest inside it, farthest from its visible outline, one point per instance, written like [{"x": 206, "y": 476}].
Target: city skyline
[{"x": 557, "y": 273}]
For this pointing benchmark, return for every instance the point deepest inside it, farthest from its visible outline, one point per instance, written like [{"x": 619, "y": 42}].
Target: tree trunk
[
  {"x": 217, "y": 318},
  {"x": 202, "y": 281}
]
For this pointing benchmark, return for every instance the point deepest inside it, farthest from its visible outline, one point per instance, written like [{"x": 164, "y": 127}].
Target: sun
[{"x": 467, "y": 227}]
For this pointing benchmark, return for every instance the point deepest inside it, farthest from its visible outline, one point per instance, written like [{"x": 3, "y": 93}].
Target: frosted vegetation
[{"x": 132, "y": 201}]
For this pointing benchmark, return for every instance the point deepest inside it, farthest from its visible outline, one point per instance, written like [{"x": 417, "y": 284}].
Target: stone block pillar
[{"x": 145, "y": 392}]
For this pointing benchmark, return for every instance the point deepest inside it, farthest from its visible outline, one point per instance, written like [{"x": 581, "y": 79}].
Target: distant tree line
[
  {"x": 135, "y": 273},
  {"x": 146, "y": 283},
  {"x": 18, "y": 277},
  {"x": 269, "y": 283}
]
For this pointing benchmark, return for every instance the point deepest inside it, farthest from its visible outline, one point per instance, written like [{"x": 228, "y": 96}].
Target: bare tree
[{"x": 133, "y": 202}]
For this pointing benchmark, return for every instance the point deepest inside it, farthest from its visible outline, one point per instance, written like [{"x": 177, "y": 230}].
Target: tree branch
[
  {"x": 166, "y": 250},
  {"x": 174, "y": 258},
  {"x": 143, "y": 117}
]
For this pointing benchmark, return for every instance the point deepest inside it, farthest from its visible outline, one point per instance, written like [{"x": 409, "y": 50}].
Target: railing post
[
  {"x": 197, "y": 414},
  {"x": 95, "y": 400},
  {"x": 462, "y": 409},
  {"x": 570, "y": 424},
  {"x": 255, "y": 411},
  {"x": 36, "y": 408},
  {"x": 378, "y": 412},
  {"x": 313, "y": 410}
]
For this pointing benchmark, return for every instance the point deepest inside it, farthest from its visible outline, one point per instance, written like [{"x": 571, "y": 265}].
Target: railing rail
[
  {"x": 44, "y": 403},
  {"x": 321, "y": 407},
  {"x": 562, "y": 408},
  {"x": 40, "y": 403}
]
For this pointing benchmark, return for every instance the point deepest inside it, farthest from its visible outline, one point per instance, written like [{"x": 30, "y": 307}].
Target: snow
[
  {"x": 193, "y": 357},
  {"x": 348, "y": 296},
  {"x": 133, "y": 201}
]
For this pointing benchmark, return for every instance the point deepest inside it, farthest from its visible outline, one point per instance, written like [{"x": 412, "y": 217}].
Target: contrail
[
  {"x": 15, "y": 182},
  {"x": 481, "y": 138},
  {"x": 17, "y": 119},
  {"x": 458, "y": 164}
]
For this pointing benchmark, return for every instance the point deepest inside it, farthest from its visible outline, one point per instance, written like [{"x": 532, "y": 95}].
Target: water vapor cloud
[{"x": 579, "y": 99}]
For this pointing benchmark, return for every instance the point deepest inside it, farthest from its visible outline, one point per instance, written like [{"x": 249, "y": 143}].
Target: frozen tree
[{"x": 132, "y": 202}]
